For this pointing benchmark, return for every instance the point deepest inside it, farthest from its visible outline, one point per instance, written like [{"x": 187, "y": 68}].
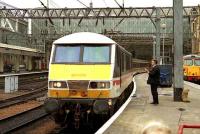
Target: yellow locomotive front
[{"x": 80, "y": 71}]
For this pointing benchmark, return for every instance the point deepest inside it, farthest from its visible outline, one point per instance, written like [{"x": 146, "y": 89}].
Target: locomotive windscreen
[
  {"x": 82, "y": 54},
  {"x": 188, "y": 62},
  {"x": 197, "y": 62}
]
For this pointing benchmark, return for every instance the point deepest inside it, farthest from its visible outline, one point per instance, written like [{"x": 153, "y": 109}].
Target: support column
[
  {"x": 16, "y": 25},
  {"x": 40, "y": 64},
  {"x": 154, "y": 47},
  {"x": 48, "y": 50},
  {"x": 1, "y": 63},
  {"x": 1, "y": 36},
  {"x": 178, "y": 49},
  {"x": 26, "y": 62},
  {"x": 17, "y": 62},
  {"x": 29, "y": 63},
  {"x": 29, "y": 26},
  {"x": 158, "y": 34}
]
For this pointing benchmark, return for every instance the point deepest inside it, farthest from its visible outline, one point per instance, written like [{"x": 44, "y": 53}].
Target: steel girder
[{"x": 79, "y": 13}]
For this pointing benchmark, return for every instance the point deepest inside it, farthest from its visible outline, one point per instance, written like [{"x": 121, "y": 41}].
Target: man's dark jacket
[{"x": 154, "y": 76}]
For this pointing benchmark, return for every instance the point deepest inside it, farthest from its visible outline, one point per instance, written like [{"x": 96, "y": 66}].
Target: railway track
[
  {"x": 22, "y": 119},
  {"x": 25, "y": 119},
  {"x": 23, "y": 98}
]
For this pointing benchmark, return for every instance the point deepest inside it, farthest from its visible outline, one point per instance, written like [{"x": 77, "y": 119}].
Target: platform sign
[
  {"x": 7, "y": 85},
  {"x": 11, "y": 84},
  {"x": 16, "y": 83}
]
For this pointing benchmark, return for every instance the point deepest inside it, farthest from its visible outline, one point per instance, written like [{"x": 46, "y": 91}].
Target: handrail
[{"x": 181, "y": 127}]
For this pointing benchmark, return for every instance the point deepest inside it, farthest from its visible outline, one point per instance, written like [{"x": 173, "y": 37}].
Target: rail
[
  {"x": 23, "y": 98},
  {"x": 19, "y": 120}
]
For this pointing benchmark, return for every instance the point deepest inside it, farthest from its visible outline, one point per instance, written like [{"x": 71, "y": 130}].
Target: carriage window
[
  {"x": 67, "y": 54},
  {"x": 188, "y": 62},
  {"x": 97, "y": 54},
  {"x": 197, "y": 62}
]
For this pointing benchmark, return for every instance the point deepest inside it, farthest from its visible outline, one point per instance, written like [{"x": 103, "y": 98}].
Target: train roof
[
  {"x": 191, "y": 56},
  {"x": 84, "y": 38}
]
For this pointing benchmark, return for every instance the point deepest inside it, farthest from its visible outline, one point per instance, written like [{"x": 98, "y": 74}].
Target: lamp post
[
  {"x": 164, "y": 31},
  {"x": 154, "y": 46}
]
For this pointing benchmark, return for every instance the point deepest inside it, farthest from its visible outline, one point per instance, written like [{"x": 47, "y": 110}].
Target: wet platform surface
[{"x": 139, "y": 112}]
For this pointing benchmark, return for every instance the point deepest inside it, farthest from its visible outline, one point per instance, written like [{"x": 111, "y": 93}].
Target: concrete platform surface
[
  {"x": 139, "y": 112},
  {"x": 4, "y": 96}
]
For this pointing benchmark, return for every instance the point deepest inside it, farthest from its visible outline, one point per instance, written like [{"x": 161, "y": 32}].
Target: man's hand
[{"x": 146, "y": 70}]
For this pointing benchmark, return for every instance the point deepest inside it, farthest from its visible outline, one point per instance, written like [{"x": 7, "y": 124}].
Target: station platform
[
  {"x": 140, "y": 112},
  {"x": 4, "y": 96},
  {"x": 23, "y": 73},
  {"x": 25, "y": 83}
]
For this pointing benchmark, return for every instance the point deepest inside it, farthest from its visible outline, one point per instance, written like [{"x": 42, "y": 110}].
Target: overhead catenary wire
[
  {"x": 118, "y": 4},
  {"x": 43, "y": 4},
  {"x": 50, "y": 20},
  {"x": 82, "y": 3},
  {"x": 104, "y": 1},
  {"x": 119, "y": 23},
  {"x": 82, "y": 18},
  {"x": 54, "y": 4},
  {"x": 8, "y": 5}
]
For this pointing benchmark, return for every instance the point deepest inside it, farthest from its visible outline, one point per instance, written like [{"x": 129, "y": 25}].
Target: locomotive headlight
[
  {"x": 57, "y": 84},
  {"x": 95, "y": 85},
  {"x": 101, "y": 85},
  {"x": 54, "y": 84}
]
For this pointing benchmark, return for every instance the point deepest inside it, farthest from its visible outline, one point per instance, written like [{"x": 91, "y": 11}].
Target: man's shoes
[{"x": 155, "y": 103}]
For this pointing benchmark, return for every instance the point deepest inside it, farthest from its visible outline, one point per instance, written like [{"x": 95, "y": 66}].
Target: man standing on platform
[{"x": 154, "y": 80}]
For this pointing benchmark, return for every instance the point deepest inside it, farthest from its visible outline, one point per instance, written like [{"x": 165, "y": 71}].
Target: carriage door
[{"x": 117, "y": 68}]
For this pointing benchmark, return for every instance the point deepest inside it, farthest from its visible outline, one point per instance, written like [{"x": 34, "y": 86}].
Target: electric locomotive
[{"x": 88, "y": 73}]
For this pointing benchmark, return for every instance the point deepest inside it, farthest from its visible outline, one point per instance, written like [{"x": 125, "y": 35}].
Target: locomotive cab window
[
  {"x": 197, "y": 62},
  {"x": 82, "y": 54},
  {"x": 188, "y": 62},
  {"x": 96, "y": 54},
  {"x": 67, "y": 54}
]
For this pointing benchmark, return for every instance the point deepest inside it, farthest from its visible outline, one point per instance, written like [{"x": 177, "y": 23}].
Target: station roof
[
  {"x": 84, "y": 38},
  {"x": 18, "y": 50},
  {"x": 7, "y": 46}
]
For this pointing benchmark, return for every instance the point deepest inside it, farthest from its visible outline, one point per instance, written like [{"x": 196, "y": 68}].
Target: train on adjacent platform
[
  {"x": 89, "y": 73},
  {"x": 191, "y": 67}
]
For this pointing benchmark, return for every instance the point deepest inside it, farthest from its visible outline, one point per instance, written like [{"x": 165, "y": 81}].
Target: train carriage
[{"x": 87, "y": 71}]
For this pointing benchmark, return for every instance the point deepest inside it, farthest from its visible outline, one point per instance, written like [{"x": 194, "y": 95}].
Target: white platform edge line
[
  {"x": 192, "y": 84},
  {"x": 116, "y": 115}
]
